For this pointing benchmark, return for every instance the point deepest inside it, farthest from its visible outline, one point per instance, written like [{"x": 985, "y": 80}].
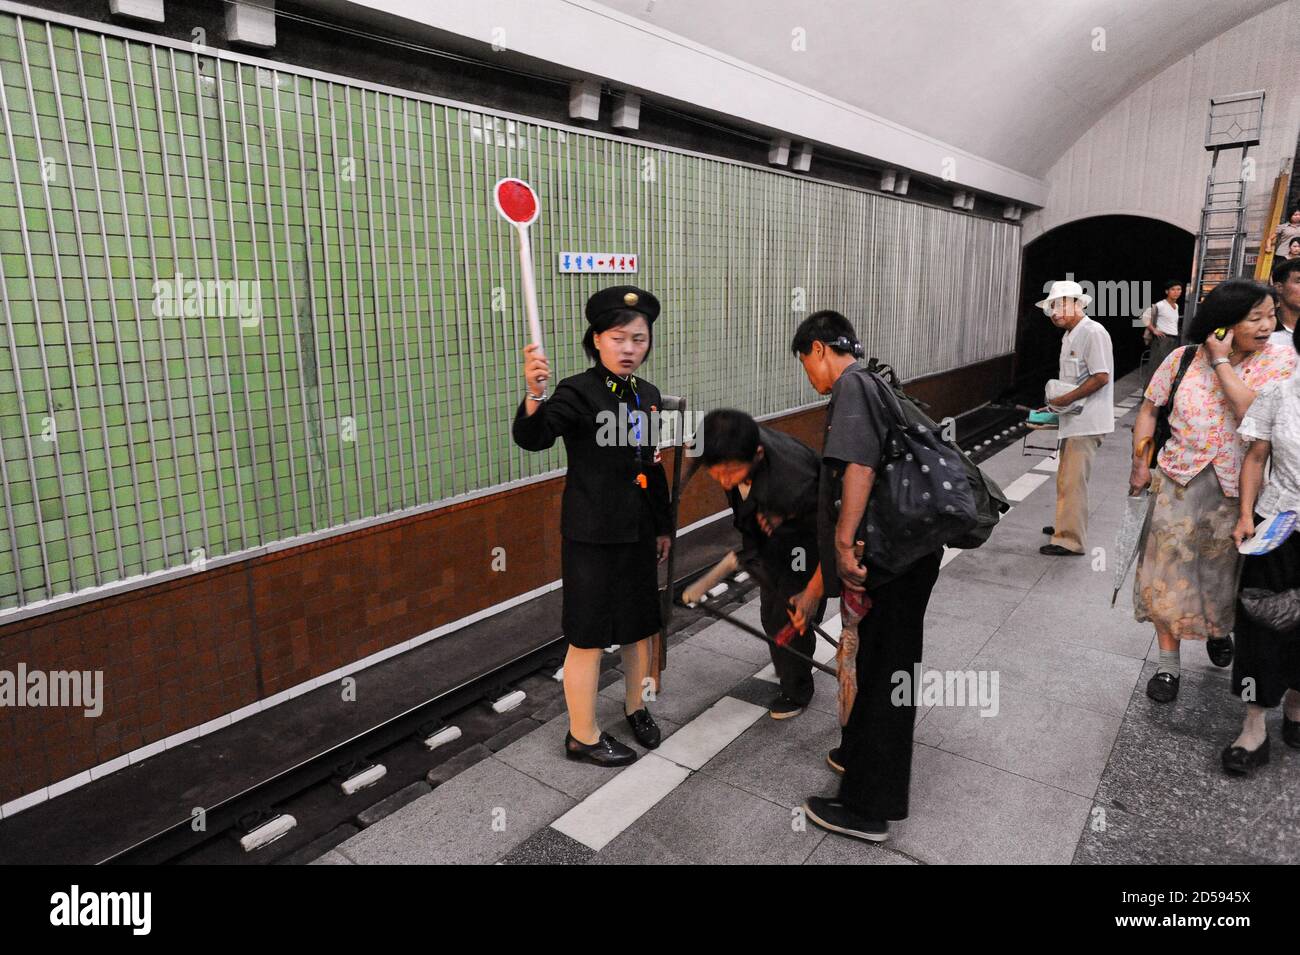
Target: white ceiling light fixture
[
  {"x": 151, "y": 10},
  {"x": 584, "y": 100},
  {"x": 803, "y": 158},
  {"x": 627, "y": 111},
  {"x": 252, "y": 24},
  {"x": 778, "y": 153}
]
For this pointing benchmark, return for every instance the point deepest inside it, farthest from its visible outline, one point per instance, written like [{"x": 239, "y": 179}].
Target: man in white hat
[{"x": 1086, "y": 410}]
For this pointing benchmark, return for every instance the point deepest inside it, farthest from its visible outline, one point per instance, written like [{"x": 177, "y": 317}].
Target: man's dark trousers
[
  {"x": 795, "y": 675},
  {"x": 876, "y": 745}
]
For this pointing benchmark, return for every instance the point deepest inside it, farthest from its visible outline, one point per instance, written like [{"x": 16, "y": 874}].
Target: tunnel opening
[{"x": 1122, "y": 261}]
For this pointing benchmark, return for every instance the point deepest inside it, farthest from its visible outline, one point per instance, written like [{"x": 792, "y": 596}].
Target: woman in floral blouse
[{"x": 1187, "y": 571}]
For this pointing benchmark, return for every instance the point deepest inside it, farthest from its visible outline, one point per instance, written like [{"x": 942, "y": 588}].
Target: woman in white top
[{"x": 1266, "y": 669}]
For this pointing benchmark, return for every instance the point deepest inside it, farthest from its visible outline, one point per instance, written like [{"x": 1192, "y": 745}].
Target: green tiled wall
[{"x": 382, "y": 370}]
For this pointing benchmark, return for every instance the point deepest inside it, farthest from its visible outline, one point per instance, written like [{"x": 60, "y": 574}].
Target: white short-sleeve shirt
[
  {"x": 1166, "y": 317},
  {"x": 1274, "y": 416},
  {"x": 1085, "y": 351}
]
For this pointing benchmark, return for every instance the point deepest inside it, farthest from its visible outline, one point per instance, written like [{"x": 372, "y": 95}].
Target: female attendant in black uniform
[{"x": 614, "y": 519}]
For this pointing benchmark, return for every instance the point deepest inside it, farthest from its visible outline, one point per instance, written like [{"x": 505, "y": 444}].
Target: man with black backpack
[{"x": 875, "y": 754}]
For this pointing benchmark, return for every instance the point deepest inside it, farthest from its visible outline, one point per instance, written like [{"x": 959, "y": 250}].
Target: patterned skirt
[{"x": 1186, "y": 581}]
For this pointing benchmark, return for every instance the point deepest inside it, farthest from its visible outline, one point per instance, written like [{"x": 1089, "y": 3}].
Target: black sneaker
[
  {"x": 834, "y": 816},
  {"x": 1163, "y": 687},
  {"x": 834, "y": 762},
  {"x": 784, "y": 708},
  {"x": 1219, "y": 650}
]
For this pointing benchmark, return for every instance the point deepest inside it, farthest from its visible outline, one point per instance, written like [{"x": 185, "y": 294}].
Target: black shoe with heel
[
  {"x": 606, "y": 751},
  {"x": 644, "y": 728},
  {"x": 1240, "y": 761}
]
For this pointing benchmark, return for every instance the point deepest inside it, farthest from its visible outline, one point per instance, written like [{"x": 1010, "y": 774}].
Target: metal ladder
[{"x": 1234, "y": 123}]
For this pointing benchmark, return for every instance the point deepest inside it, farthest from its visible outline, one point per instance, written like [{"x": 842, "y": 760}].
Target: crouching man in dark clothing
[{"x": 771, "y": 480}]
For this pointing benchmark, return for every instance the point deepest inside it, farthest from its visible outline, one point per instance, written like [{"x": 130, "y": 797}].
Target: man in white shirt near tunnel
[{"x": 1086, "y": 410}]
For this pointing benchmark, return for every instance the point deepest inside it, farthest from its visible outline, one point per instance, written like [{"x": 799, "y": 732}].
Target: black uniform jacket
[
  {"x": 602, "y": 500},
  {"x": 784, "y": 484}
]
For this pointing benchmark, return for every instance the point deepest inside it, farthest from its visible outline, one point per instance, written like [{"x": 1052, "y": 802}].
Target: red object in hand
[
  {"x": 788, "y": 633},
  {"x": 517, "y": 201},
  {"x": 856, "y": 601}
]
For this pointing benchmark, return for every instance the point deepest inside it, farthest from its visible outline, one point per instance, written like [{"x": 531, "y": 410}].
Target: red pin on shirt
[{"x": 518, "y": 205}]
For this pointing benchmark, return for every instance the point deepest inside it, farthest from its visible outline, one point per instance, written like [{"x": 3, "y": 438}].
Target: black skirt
[
  {"x": 611, "y": 591},
  {"x": 1269, "y": 658}
]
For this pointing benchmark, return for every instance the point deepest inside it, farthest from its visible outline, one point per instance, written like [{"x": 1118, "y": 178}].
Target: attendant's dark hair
[
  {"x": 1282, "y": 270},
  {"x": 728, "y": 435},
  {"x": 829, "y": 327},
  {"x": 613, "y": 319},
  {"x": 1227, "y": 304}
]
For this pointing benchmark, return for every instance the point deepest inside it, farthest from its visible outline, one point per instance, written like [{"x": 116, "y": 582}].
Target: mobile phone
[{"x": 1221, "y": 333}]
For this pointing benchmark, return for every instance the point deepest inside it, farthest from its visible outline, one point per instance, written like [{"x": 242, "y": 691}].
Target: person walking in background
[
  {"x": 1279, "y": 243},
  {"x": 1266, "y": 670},
  {"x": 1186, "y": 574},
  {"x": 771, "y": 480},
  {"x": 1286, "y": 282},
  {"x": 1086, "y": 412},
  {"x": 1162, "y": 325}
]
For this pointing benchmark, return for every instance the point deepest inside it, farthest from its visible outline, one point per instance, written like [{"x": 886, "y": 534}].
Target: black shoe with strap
[
  {"x": 644, "y": 728},
  {"x": 1219, "y": 650},
  {"x": 1163, "y": 687},
  {"x": 1240, "y": 761},
  {"x": 606, "y": 751}
]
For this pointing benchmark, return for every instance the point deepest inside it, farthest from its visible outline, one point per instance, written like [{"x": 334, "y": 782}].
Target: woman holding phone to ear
[
  {"x": 615, "y": 521},
  {"x": 1186, "y": 572}
]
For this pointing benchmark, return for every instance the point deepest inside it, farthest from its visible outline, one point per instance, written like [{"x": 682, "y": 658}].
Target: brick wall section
[{"x": 187, "y": 651}]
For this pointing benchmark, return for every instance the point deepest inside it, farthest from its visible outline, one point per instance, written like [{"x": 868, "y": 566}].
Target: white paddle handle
[{"x": 530, "y": 287}]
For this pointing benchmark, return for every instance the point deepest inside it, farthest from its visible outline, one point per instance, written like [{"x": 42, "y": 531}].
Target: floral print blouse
[{"x": 1202, "y": 425}]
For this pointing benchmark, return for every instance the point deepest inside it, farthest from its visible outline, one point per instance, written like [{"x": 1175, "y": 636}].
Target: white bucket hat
[{"x": 1065, "y": 290}]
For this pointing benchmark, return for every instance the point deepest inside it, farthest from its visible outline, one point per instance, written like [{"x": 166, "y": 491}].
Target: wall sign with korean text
[{"x": 597, "y": 262}]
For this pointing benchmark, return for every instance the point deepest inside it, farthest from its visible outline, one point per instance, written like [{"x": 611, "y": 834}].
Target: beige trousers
[{"x": 1072, "y": 474}]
